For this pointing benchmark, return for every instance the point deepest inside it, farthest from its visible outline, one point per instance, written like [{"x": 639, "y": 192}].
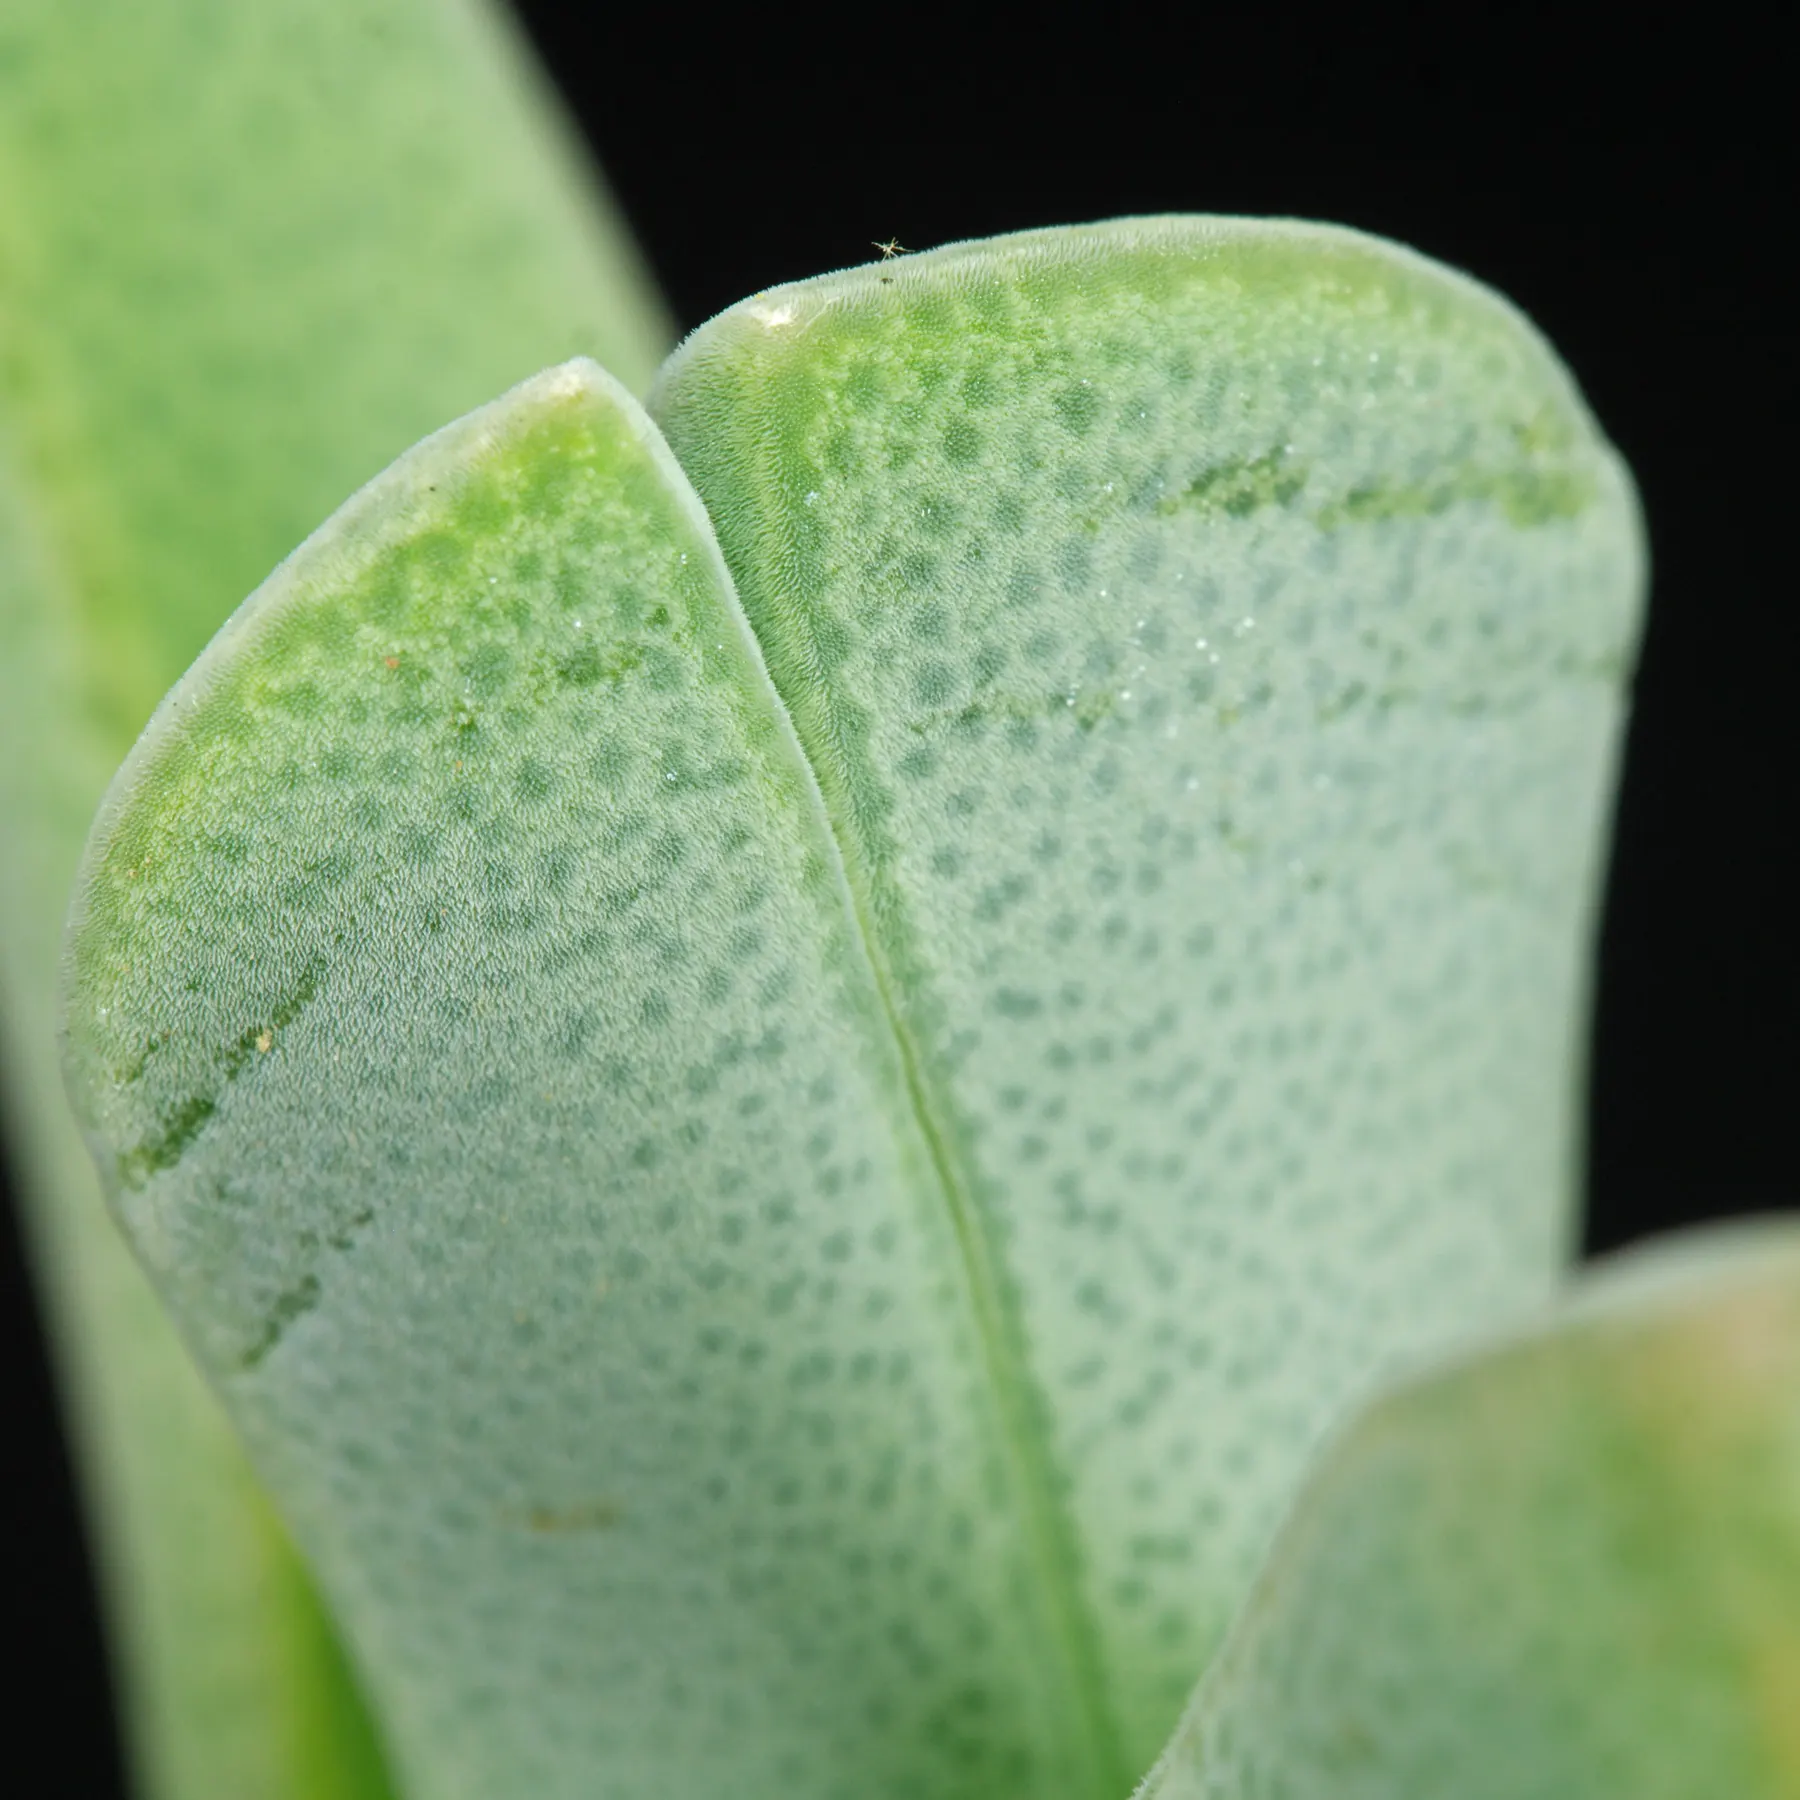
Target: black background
[{"x": 1630, "y": 187}]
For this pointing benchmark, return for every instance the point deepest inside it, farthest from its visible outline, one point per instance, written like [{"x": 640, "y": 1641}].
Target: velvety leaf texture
[
  {"x": 782, "y": 1142},
  {"x": 1567, "y": 1570},
  {"x": 588, "y": 1319},
  {"x": 1209, "y": 637}
]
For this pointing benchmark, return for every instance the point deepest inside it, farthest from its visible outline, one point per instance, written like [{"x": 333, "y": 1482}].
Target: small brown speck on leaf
[
  {"x": 592, "y": 1515},
  {"x": 392, "y": 662}
]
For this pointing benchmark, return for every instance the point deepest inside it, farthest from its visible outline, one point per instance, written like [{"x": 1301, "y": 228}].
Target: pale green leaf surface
[
  {"x": 470, "y": 1018},
  {"x": 247, "y": 255},
  {"x": 1565, "y": 1570},
  {"x": 1207, "y": 643},
  {"x": 1210, "y": 638}
]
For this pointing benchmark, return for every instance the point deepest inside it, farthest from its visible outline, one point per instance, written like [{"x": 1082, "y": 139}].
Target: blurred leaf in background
[
  {"x": 1565, "y": 1569},
  {"x": 247, "y": 255}
]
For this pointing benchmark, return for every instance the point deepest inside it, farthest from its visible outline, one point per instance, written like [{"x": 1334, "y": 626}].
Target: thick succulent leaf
[
  {"x": 474, "y": 1031},
  {"x": 1160, "y": 1014},
  {"x": 1566, "y": 1570},
  {"x": 1209, "y": 639},
  {"x": 247, "y": 255}
]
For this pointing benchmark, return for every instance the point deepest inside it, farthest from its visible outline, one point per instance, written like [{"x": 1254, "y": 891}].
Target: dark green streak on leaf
[
  {"x": 1527, "y": 497},
  {"x": 1244, "y": 485},
  {"x": 260, "y": 1039},
  {"x": 185, "y": 1123},
  {"x": 133, "y": 1071},
  {"x": 589, "y": 665},
  {"x": 170, "y": 1144},
  {"x": 1086, "y": 708},
  {"x": 292, "y": 1304}
]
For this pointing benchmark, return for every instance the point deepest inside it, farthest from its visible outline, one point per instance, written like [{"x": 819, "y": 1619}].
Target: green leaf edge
[{"x": 1668, "y": 1282}]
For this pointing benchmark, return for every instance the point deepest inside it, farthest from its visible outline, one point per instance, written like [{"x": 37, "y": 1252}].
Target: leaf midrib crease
[{"x": 1071, "y": 1639}]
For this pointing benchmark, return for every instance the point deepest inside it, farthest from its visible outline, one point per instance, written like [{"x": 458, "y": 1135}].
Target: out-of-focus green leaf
[
  {"x": 235, "y": 1679},
  {"x": 248, "y": 253},
  {"x": 793, "y": 1239},
  {"x": 1566, "y": 1570}
]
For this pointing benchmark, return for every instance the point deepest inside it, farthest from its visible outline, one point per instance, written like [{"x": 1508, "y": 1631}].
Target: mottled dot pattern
[
  {"x": 1209, "y": 638},
  {"x": 782, "y": 1192},
  {"x": 468, "y": 1015},
  {"x": 1567, "y": 1570}
]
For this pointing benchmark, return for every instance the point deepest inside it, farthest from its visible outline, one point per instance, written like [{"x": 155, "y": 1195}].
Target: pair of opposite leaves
[{"x": 786, "y": 1060}]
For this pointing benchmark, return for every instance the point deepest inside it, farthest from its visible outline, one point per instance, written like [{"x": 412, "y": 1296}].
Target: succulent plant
[{"x": 848, "y": 1072}]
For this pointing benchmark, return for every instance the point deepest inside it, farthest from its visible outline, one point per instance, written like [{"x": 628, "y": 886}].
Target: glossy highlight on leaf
[{"x": 787, "y": 1074}]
